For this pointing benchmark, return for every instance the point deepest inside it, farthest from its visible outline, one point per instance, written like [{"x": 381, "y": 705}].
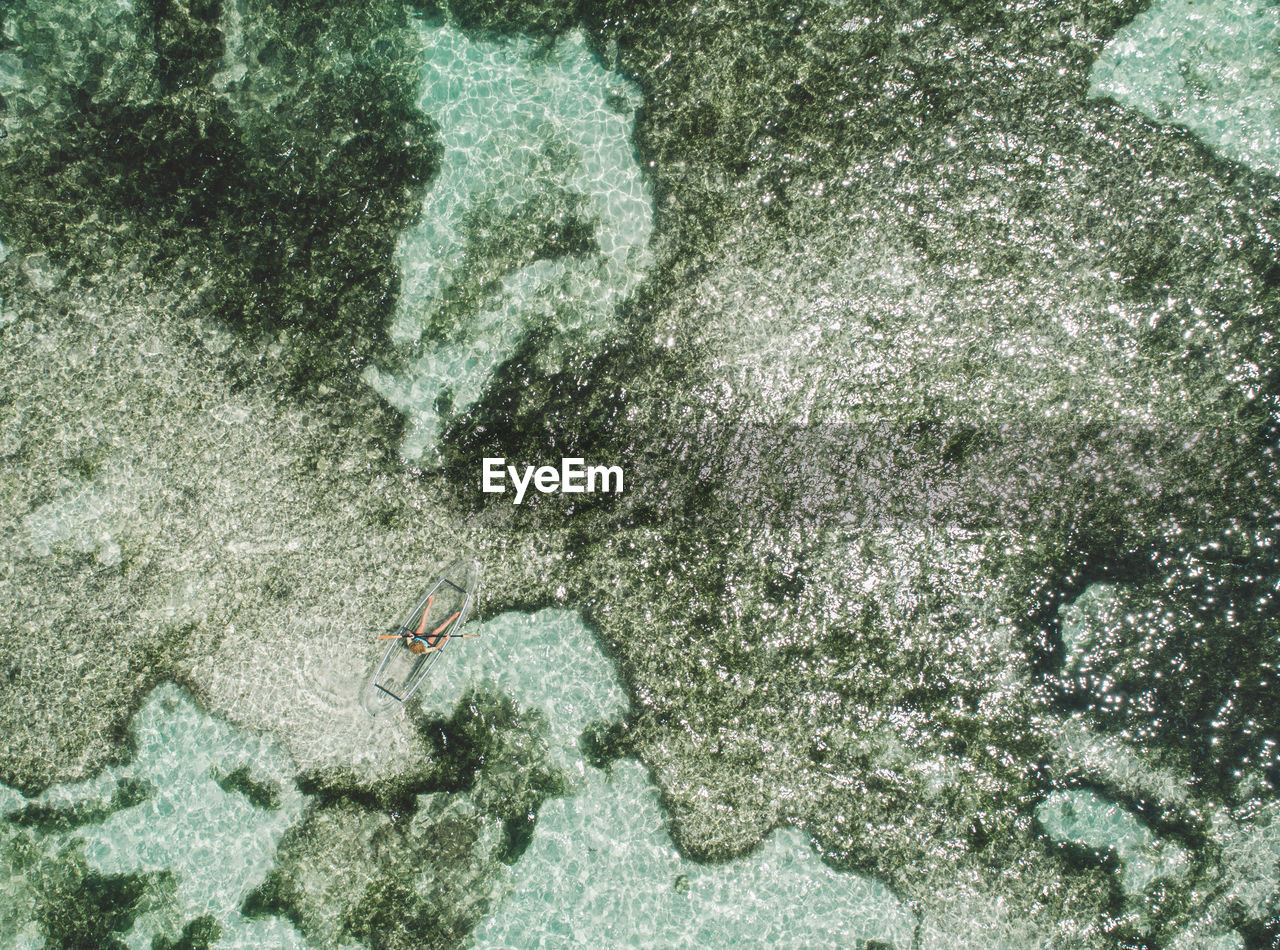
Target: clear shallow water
[
  {"x": 537, "y": 151},
  {"x": 1211, "y": 67},
  {"x": 1085, "y": 818},
  {"x": 1001, "y": 729},
  {"x": 602, "y": 871},
  {"x": 601, "y": 867},
  {"x": 549, "y": 662},
  {"x": 212, "y": 842}
]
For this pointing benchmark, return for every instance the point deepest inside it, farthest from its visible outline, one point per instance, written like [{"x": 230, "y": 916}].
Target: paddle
[
  {"x": 440, "y": 629},
  {"x": 436, "y": 633},
  {"x": 422, "y": 626},
  {"x": 401, "y": 636}
]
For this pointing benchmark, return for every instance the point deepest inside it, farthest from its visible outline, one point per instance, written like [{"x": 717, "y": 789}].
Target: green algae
[
  {"x": 603, "y": 743},
  {"x": 199, "y": 934},
  {"x": 77, "y": 907},
  {"x": 1159, "y": 646},
  {"x": 53, "y": 818},
  {"x": 171, "y": 846},
  {"x": 488, "y": 747},
  {"x": 284, "y": 190},
  {"x": 499, "y": 241},
  {"x": 546, "y": 18},
  {"x": 313, "y": 864},
  {"x": 261, "y": 794},
  {"x": 91, "y": 910},
  {"x": 496, "y": 752},
  {"x": 439, "y": 833},
  {"x": 391, "y": 915},
  {"x": 174, "y": 196},
  {"x": 977, "y": 186},
  {"x": 891, "y": 658},
  {"x": 536, "y": 227},
  {"x": 276, "y": 896},
  {"x": 423, "y": 887},
  {"x": 602, "y": 865}
]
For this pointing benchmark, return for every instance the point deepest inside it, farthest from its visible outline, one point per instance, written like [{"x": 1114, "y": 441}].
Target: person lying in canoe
[{"x": 419, "y": 641}]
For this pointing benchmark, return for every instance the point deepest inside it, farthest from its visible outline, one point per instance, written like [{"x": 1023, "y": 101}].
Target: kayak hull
[{"x": 434, "y": 620}]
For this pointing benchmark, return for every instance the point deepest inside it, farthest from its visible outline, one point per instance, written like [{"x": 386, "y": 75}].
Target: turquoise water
[
  {"x": 216, "y": 843},
  {"x": 602, "y": 870},
  {"x": 1210, "y": 67},
  {"x": 938, "y": 347},
  {"x": 209, "y": 840},
  {"x": 547, "y": 131}
]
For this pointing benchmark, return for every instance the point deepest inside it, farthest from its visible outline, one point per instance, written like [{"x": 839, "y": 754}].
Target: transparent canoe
[{"x": 434, "y": 620}]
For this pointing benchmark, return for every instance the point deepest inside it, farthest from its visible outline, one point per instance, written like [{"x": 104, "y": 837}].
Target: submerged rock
[{"x": 48, "y": 818}]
